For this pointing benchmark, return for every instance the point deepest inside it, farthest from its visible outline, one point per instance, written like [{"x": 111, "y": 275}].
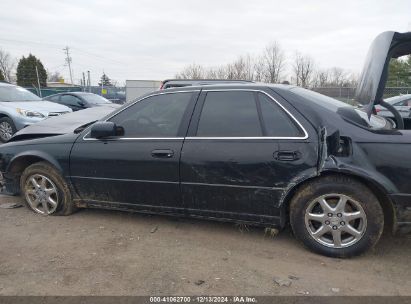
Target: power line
[
  {"x": 96, "y": 55},
  {"x": 31, "y": 42},
  {"x": 59, "y": 46}
]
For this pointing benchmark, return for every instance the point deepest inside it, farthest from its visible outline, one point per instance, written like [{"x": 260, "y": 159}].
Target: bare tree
[
  {"x": 334, "y": 77},
  {"x": 273, "y": 62},
  {"x": 259, "y": 70},
  {"x": 7, "y": 65},
  {"x": 211, "y": 73},
  {"x": 242, "y": 68},
  {"x": 352, "y": 80},
  {"x": 248, "y": 71},
  {"x": 337, "y": 76},
  {"x": 321, "y": 78},
  {"x": 193, "y": 71},
  {"x": 303, "y": 69},
  {"x": 54, "y": 76}
]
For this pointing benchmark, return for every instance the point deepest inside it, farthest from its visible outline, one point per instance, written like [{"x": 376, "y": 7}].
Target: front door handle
[
  {"x": 287, "y": 155},
  {"x": 162, "y": 153}
]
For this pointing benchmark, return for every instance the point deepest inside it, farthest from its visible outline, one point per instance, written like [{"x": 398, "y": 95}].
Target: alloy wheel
[
  {"x": 41, "y": 194},
  {"x": 335, "y": 220},
  {"x": 6, "y": 131}
]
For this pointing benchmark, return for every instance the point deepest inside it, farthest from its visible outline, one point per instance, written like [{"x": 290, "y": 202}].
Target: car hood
[
  {"x": 65, "y": 123},
  {"x": 374, "y": 75},
  {"x": 44, "y": 107}
]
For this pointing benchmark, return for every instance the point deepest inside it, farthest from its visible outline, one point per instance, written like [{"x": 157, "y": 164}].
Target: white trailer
[{"x": 136, "y": 88}]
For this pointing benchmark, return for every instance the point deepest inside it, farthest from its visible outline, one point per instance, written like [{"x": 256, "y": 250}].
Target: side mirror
[
  {"x": 81, "y": 103},
  {"x": 105, "y": 129}
]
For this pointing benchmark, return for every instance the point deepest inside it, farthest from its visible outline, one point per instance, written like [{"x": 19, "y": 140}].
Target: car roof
[
  {"x": 398, "y": 98},
  {"x": 187, "y": 81},
  {"x": 6, "y": 84},
  {"x": 73, "y": 93},
  {"x": 227, "y": 86}
]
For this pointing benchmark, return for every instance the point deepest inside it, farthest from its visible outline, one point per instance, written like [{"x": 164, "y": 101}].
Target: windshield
[
  {"x": 94, "y": 99},
  {"x": 375, "y": 122},
  {"x": 14, "y": 93}
]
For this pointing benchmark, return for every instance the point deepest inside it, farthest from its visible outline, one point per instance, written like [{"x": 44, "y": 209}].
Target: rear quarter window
[{"x": 276, "y": 122}]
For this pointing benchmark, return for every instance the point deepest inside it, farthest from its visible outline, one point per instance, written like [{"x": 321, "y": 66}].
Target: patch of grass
[
  {"x": 271, "y": 232},
  {"x": 242, "y": 227}
]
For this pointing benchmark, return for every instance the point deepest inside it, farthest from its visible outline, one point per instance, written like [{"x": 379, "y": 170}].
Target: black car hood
[
  {"x": 64, "y": 124},
  {"x": 374, "y": 75}
]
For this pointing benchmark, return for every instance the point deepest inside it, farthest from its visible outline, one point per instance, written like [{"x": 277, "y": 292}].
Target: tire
[
  {"x": 7, "y": 129},
  {"x": 45, "y": 190},
  {"x": 362, "y": 211}
]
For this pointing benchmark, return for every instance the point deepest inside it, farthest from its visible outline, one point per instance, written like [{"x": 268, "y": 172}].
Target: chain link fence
[{"x": 347, "y": 94}]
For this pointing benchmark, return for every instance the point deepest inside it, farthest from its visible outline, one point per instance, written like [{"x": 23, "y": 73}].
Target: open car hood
[
  {"x": 374, "y": 75},
  {"x": 64, "y": 124}
]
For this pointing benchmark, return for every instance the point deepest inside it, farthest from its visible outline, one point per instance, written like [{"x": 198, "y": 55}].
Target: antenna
[{"x": 68, "y": 61}]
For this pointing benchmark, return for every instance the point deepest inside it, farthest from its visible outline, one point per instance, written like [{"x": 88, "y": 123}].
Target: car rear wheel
[
  {"x": 45, "y": 190},
  {"x": 7, "y": 129},
  {"x": 336, "y": 216}
]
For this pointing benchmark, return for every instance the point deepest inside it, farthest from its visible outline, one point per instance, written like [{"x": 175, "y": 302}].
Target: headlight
[{"x": 29, "y": 113}]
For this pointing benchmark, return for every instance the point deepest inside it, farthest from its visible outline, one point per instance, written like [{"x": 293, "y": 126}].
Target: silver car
[
  {"x": 402, "y": 103},
  {"x": 20, "y": 108}
]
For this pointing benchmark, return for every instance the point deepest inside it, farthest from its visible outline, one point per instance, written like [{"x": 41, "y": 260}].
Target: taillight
[
  {"x": 377, "y": 110},
  {"x": 161, "y": 86}
]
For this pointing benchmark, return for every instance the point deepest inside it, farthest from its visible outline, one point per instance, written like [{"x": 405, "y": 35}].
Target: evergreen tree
[
  {"x": 1, "y": 76},
  {"x": 105, "y": 81},
  {"x": 399, "y": 72},
  {"x": 26, "y": 72}
]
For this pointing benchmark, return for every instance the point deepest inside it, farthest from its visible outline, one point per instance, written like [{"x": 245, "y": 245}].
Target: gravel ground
[{"x": 97, "y": 252}]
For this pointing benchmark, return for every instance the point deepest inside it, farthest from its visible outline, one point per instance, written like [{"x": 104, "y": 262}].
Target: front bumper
[{"x": 23, "y": 122}]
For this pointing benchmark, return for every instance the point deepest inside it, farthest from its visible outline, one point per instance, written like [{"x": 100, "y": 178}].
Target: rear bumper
[{"x": 403, "y": 212}]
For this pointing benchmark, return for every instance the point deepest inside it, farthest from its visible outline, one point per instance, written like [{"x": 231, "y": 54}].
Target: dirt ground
[{"x": 97, "y": 252}]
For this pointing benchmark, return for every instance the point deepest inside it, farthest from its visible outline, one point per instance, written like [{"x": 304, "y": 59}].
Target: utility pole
[
  {"x": 102, "y": 84},
  {"x": 84, "y": 82},
  {"x": 89, "y": 81},
  {"x": 38, "y": 81},
  {"x": 68, "y": 61}
]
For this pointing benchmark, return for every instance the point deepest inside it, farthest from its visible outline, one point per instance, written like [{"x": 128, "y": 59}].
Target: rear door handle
[
  {"x": 162, "y": 153},
  {"x": 287, "y": 155}
]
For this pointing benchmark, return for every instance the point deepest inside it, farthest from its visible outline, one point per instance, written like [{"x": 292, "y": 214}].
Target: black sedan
[
  {"x": 264, "y": 155},
  {"x": 78, "y": 100}
]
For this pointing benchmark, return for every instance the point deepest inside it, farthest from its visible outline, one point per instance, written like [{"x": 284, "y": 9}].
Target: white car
[
  {"x": 402, "y": 103},
  {"x": 20, "y": 108}
]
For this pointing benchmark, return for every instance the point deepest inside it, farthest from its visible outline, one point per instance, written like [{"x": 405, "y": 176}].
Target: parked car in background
[
  {"x": 177, "y": 83},
  {"x": 78, "y": 100},
  {"x": 402, "y": 103},
  {"x": 20, "y": 108}
]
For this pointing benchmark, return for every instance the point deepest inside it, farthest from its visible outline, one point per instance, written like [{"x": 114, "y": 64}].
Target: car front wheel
[
  {"x": 7, "y": 129},
  {"x": 45, "y": 190},
  {"x": 336, "y": 216}
]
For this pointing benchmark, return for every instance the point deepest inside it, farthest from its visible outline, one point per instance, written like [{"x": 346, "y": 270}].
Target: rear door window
[{"x": 229, "y": 114}]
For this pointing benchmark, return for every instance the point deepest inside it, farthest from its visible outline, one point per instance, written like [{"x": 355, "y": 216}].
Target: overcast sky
[{"x": 156, "y": 39}]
